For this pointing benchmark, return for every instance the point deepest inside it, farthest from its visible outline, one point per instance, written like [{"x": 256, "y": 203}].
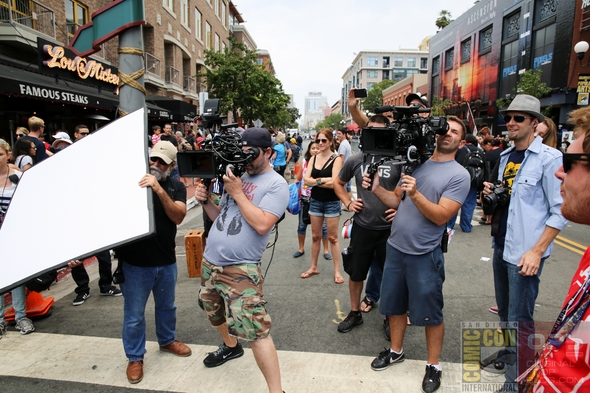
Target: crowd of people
[{"x": 401, "y": 224}]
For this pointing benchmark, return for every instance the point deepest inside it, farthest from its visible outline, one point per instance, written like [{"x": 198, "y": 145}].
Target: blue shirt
[{"x": 535, "y": 202}]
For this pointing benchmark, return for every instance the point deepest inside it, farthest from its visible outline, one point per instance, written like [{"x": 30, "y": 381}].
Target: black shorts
[{"x": 365, "y": 243}]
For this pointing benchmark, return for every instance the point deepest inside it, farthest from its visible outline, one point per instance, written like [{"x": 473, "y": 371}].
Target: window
[
  {"x": 423, "y": 63},
  {"x": 398, "y": 74},
  {"x": 435, "y": 65},
  {"x": 369, "y": 85},
  {"x": 449, "y": 59},
  {"x": 198, "y": 25},
  {"x": 372, "y": 74},
  {"x": 184, "y": 12},
  {"x": 385, "y": 61},
  {"x": 76, "y": 16},
  {"x": 466, "y": 51},
  {"x": 223, "y": 14},
  {"x": 511, "y": 26},
  {"x": 217, "y": 40},
  {"x": 411, "y": 62},
  {"x": 385, "y": 74},
  {"x": 372, "y": 61},
  {"x": 485, "y": 40},
  {"x": 217, "y": 7},
  {"x": 259, "y": 60},
  {"x": 223, "y": 46},
  {"x": 398, "y": 62},
  {"x": 509, "y": 68},
  {"x": 543, "y": 41},
  {"x": 208, "y": 36},
  {"x": 165, "y": 3}
]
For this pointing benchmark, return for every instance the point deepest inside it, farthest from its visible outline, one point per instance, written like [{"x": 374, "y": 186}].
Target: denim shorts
[
  {"x": 325, "y": 209},
  {"x": 413, "y": 283}
]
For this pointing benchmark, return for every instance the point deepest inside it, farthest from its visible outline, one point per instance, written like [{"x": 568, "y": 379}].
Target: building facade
[
  {"x": 396, "y": 94},
  {"x": 480, "y": 56},
  {"x": 314, "y": 112},
  {"x": 175, "y": 37}
]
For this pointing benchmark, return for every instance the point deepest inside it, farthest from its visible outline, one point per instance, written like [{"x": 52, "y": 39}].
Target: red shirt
[{"x": 567, "y": 369}]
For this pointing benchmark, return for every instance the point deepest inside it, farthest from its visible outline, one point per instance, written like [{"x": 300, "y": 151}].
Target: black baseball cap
[{"x": 259, "y": 137}]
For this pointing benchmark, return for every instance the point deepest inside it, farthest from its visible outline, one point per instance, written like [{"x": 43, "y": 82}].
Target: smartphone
[{"x": 360, "y": 93}]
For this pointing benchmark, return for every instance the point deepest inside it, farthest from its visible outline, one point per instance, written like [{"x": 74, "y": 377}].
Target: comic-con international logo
[{"x": 487, "y": 350}]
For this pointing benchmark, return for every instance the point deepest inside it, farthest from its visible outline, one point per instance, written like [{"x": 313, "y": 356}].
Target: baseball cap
[
  {"x": 164, "y": 150},
  {"x": 413, "y": 96},
  {"x": 259, "y": 137},
  {"x": 293, "y": 140},
  {"x": 61, "y": 137}
]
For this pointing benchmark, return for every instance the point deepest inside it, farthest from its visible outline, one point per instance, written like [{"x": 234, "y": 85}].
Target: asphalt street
[{"x": 305, "y": 313}]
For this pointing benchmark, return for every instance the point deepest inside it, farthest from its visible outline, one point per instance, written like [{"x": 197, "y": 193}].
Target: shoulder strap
[
  {"x": 332, "y": 158},
  {"x": 14, "y": 178}
]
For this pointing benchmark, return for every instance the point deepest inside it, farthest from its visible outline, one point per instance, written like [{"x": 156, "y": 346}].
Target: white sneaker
[{"x": 25, "y": 326}]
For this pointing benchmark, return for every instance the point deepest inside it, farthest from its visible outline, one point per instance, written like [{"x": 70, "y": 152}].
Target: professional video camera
[
  {"x": 409, "y": 139},
  {"x": 223, "y": 150}
]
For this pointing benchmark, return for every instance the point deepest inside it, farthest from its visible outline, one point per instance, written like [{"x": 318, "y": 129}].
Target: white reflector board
[{"x": 82, "y": 200}]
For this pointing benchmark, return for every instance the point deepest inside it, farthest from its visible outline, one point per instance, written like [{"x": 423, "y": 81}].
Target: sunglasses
[
  {"x": 321, "y": 141},
  {"x": 158, "y": 160},
  {"x": 19, "y": 135},
  {"x": 84, "y": 133},
  {"x": 517, "y": 118},
  {"x": 569, "y": 158}
]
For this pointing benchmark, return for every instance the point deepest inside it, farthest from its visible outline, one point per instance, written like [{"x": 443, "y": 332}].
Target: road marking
[
  {"x": 570, "y": 245},
  {"x": 339, "y": 314}
]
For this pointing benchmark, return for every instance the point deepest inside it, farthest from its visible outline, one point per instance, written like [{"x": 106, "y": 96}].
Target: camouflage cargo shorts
[{"x": 233, "y": 294}]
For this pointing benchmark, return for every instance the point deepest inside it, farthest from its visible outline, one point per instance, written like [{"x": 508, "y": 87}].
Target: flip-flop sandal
[
  {"x": 338, "y": 280},
  {"x": 368, "y": 305},
  {"x": 309, "y": 274}
]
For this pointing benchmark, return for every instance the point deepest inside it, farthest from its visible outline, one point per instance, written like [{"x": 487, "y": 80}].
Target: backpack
[
  {"x": 41, "y": 282},
  {"x": 474, "y": 162},
  {"x": 296, "y": 152}
]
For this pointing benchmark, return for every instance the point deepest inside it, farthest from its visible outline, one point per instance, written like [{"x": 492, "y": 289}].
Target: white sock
[
  {"x": 437, "y": 366},
  {"x": 397, "y": 353}
]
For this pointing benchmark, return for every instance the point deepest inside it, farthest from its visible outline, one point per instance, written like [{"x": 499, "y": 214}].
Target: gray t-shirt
[
  {"x": 231, "y": 239},
  {"x": 344, "y": 150},
  {"x": 373, "y": 214},
  {"x": 411, "y": 232}
]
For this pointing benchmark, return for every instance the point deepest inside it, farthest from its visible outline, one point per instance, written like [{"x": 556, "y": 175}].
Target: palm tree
[{"x": 444, "y": 19}]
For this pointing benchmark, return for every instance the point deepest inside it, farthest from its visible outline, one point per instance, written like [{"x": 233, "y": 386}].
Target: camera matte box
[{"x": 196, "y": 163}]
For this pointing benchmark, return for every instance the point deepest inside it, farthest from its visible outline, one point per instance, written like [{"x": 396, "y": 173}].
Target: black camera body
[
  {"x": 499, "y": 196},
  {"x": 408, "y": 138}
]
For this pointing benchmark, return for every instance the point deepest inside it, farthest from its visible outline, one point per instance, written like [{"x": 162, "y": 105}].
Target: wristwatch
[{"x": 319, "y": 182}]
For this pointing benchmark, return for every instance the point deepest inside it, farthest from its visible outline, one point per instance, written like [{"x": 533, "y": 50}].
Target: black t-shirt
[
  {"x": 41, "y": 152},
  {"x": 493, "y": 157},
  {"x": 512, "y": 167},
  {"x": 160, "y": 248},
  {"x": 169, "y": 138}
]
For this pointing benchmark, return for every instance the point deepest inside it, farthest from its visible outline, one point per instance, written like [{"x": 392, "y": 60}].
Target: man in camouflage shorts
[{"x": 231, "y": 280}]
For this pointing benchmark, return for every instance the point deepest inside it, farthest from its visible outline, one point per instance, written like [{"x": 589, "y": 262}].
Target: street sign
[{"x": 106, "y": 23}]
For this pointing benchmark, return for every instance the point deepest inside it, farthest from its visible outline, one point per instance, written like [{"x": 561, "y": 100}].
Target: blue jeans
[
  {"x": 466, "y": 212},
  {"x": 19, "y": 303},
  {"x": 515, "y": 297},
  {"x": 373, "y": 286},
  {"x": 139, "y": 283}
]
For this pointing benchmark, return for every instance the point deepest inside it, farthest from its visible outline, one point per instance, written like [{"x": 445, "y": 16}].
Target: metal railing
[
  {"x": 28, "y": 13},
  {"x": 152, "y": 64},
  {"x": 172, "y": 75},
  {"x": 189, "y": 84}
]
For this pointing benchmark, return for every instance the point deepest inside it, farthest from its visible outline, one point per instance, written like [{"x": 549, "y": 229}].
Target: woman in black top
[{"x": 325, "y": 205}]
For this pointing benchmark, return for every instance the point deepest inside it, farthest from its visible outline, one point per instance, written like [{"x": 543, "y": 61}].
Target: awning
[
  {"x": 181, "y": 111},
  {"x": 157, "y": 112},
  {"x": 26, "y": 84}
]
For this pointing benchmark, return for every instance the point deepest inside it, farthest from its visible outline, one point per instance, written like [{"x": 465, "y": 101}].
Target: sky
[{"x": 313, "y": 42}]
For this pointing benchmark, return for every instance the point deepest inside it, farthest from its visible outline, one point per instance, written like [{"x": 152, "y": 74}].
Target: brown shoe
[
  {"x": 177, "y": 348},
  {"x": 135, "y": 371}
]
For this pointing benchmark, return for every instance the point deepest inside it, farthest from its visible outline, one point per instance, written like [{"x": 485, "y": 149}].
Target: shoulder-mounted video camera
[{"x": 223, "y": 150}]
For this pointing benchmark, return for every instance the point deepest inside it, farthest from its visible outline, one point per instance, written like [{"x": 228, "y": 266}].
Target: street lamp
[{"x": 581, "y": 48}]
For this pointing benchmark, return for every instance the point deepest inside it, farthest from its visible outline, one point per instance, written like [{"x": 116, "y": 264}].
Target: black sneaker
[
  {"x": 386, "y": 329},
  {"x": 222, "y": 355},
  {"x": 353, "y": 319},
  {"x": 386, "y": 358},
  {"x": 431, "y": 381},
  {"x": 80, "y": 299},
  {"x": 111, "y": 291}
]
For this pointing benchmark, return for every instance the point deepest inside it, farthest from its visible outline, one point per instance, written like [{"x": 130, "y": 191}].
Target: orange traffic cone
[{"x": 37, "y": 306}]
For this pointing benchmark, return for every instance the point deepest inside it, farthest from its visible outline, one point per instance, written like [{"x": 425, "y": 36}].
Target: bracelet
[{"x": 348, "y": 206}]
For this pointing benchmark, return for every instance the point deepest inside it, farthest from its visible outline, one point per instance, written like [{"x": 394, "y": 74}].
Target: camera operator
[
  {"x": 231, "y": 280},
  {"x": 362, "y": 120},
  {"x": 524, "y": 224},
  {"x": 414, "y": 264}
]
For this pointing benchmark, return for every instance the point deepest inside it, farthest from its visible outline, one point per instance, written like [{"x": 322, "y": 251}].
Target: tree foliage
[
  {"x": 244, "y": 87},
  {"x": 334, "y": 121},
  {"x": 438, "y": 106},
  {"x": 529, "y": 83},
  {"x": 444, "y": 19},
  {"x": 375, "y": 95}
]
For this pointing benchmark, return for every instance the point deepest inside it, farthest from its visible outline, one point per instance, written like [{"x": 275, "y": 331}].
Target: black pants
[{"x": 105, "y": 272}]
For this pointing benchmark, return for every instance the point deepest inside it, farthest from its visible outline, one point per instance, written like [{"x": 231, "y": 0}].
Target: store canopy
[
  {"x": 181, "y": 111},
  {"x": 27, "y": 84}
]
